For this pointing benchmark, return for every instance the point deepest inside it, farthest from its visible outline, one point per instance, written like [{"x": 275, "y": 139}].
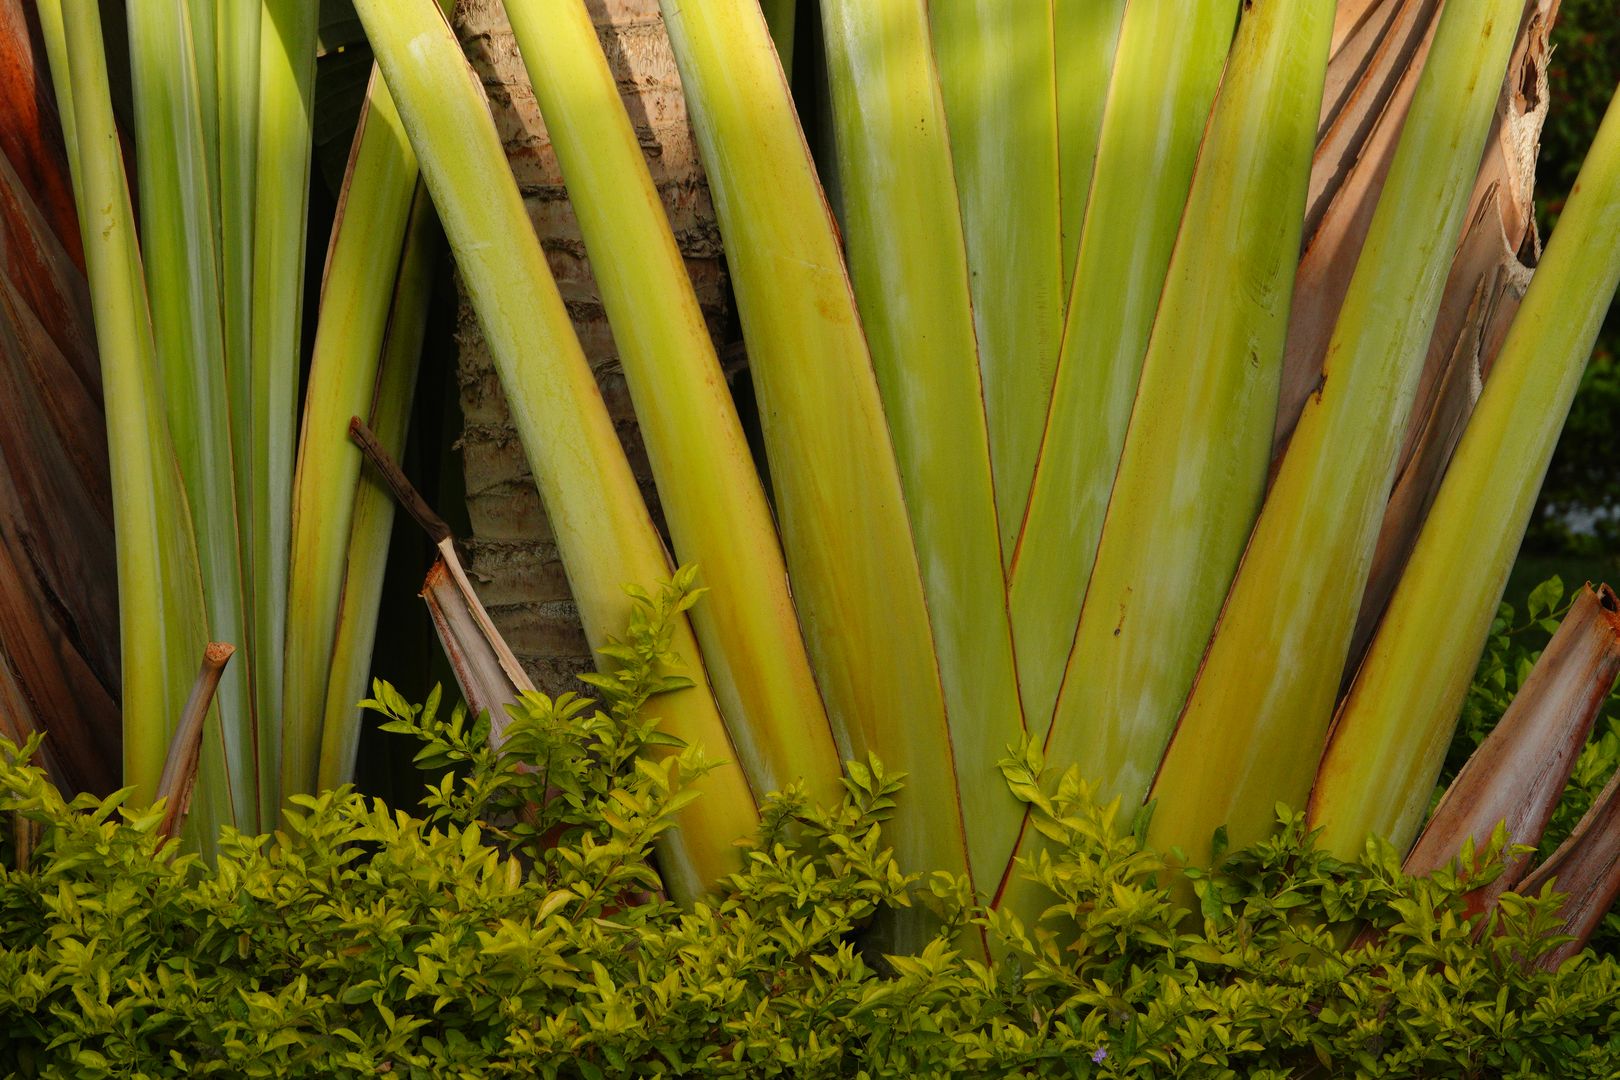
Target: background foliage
[{"x": 1585, "y": 474}]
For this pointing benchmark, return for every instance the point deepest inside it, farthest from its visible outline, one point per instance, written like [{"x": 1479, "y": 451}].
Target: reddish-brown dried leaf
[
  {"x": 1586, "y": 868},
  {"x": 53, "y": 439},
  {"x": 1517, "y": 775},
  {"x": 30, "y": 129},
  {"x": 58, "y": 693},
  {"x": 1378, "y": 69},
  {"x": 1380, "y": 49},
  {"x": 59, "y": 659},
  {"x": 43, "y": 274}
]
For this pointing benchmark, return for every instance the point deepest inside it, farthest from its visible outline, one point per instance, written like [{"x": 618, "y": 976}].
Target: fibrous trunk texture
[{"x": 514, "y": 562}]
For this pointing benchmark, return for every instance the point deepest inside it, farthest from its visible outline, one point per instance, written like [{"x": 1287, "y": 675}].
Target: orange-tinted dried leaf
[
  {"x": 1586, "y": 869},
  {"x": 58, "y": 606},
  {"x": 31, "y": 134},
  {"x": 490, "y": 676},
  {"x": 1519, "y": 772},
  {"x": 43, "y": 274}
]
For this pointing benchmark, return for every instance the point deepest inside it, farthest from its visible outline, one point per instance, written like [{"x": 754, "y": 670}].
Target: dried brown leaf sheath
[{"x": 1519, "y": 772}]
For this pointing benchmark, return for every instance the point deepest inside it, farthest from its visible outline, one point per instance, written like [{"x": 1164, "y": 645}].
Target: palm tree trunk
[{"x": 514, "y": 561}]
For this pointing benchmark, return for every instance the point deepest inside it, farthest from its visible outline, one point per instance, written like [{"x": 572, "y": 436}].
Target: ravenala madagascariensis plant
[
  {"x": 1039, "y": 495},
  {"x": 1151, "y": 581}
]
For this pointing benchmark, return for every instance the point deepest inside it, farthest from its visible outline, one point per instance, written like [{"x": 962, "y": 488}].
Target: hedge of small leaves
[{"x": 515, "y": 929}]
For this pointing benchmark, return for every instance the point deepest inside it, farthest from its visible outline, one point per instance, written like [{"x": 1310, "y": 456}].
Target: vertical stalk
[
  {"x": 161, "y": 619},
  {"x": 1390, "y": 737},
  {"x": 281, "y": 194},
  {"x": 1253, "y": 728},
  {"x": 237, "y": 56},
  {"x": 1164, "y": 81},
  {"x": 203, "y": 17},
  {"x": 1086, "y": 33},
  {"x": 179, "y": 234}
]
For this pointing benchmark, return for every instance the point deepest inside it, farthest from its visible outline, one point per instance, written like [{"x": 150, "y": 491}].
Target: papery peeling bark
[
  {"x": 489, "y": 674},
  {"x": 1390, "y": 732},
  {"x": 1586, "y": 869},
  {"x": 1489, "y": 277},
  {"x": 1257, "y": 719},
  {"x": 1518, "y": 773}
]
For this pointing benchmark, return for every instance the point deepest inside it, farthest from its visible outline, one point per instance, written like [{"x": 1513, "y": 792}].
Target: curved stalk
[
  {"x": 357, "y": 291},
  {"x": 710, "y": 492},
  {"x": 602, "y": 526},
  {"x": 1390, "y": 737},
  {"x": 1254, "y": 726},
  {"x": 366, "y": 556},
  {"x": 281, "y": 197}
]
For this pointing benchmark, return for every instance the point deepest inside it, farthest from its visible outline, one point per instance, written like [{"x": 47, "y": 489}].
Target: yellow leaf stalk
[
  {"x": 1164, "y": 81},
  {"x": 162, "y": 626},
  {"x": 711, "y": 494},
  {"x": 237, "y": 55},
  {"x": 366, "y": 556},
  {"x": 1390, "y": 737},
  {"x": 996, "y": 72},
  {"x": 281, "y": 196},
  {"x": 1194, "y": 466},
  {"x": 1254, "y": 726},
  {"x": 910, "y": 268},
  {"x": 839, "y": 501},
  {"x": 603, "y": 530},
  {"x": 179, "y": 238},
  {"x": 1086, "y": 35},
  {"x": 357, "y": 294}
]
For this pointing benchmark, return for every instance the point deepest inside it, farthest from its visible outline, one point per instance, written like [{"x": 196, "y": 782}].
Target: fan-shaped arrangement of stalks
[{"x": 1164, "y": 398}]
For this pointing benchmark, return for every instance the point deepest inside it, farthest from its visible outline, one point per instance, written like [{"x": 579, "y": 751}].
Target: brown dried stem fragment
[
  {"x": 489, "y": 674},
  {"x": 179, "y": 777}
]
